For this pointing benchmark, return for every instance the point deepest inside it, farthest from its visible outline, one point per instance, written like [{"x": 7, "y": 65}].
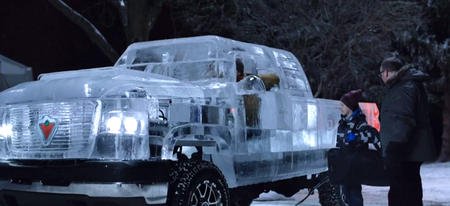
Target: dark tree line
[{"x": 340, "y": 43}]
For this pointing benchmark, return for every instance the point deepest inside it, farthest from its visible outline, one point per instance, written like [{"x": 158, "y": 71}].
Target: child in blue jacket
[{"x": 354, "y": 134}]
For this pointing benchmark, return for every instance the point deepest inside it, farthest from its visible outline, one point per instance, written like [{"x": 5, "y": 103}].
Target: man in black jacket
[{"x": 406, "y": 135}]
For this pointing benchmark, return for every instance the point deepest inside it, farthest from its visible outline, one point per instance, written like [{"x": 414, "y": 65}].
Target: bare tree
[
  {"x": 91, "y": 31},
  {"x": 137, "y": 18}
]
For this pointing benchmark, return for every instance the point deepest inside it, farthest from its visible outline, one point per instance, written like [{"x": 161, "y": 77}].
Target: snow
[{"x": 435, "y": 182}]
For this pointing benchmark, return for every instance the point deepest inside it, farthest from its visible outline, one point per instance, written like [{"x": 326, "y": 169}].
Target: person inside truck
[
  {"x": 270, "y": 80},
  {"x": 239, "y": 70},
  {"x": 254, "y": 82}
]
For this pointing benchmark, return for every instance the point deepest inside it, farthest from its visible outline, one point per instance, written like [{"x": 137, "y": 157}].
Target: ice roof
[
  {"x": 205, "y": 48},
  {"x": 6, "y": 59},
  {"x": 195, "y": 56}
]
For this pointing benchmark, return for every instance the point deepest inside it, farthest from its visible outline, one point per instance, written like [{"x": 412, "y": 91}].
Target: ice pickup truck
[{"x": 188, "y": 121}]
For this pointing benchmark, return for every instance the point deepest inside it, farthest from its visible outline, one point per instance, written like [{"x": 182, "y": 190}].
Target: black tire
[
  {"x": 198, "y": 182},
  {"x": 330, "y": 194}
]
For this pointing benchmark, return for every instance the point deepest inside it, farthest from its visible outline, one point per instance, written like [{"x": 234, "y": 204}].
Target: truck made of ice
[{"x": 189, "y": 121}]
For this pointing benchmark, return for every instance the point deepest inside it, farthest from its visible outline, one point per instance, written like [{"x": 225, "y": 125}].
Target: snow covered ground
[{"x": 435, "y": 181}]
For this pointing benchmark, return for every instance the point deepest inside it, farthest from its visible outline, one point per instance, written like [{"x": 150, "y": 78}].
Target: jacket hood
[
  {"x": 408, "y": 73},
  {"x": 96, "y": 83}
]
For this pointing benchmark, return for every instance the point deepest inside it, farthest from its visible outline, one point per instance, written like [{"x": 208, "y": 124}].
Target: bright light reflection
[
  {"x": 309, "y": 138},
  {"x": 113, "y": 124},
  {"x": 130, "y": 125},
  {"x": 5, "y": 131},
  {"x": 312, "y": 116},
  {"x": 258, "y": 50},
  {"x": 87, "y": 90}
]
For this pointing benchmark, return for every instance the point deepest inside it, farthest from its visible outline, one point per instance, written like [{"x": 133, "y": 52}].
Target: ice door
[{"x": 267, "y": 137}]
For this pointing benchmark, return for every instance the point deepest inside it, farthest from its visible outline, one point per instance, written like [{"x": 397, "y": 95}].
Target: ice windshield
[{"x": 186, "y": 61}]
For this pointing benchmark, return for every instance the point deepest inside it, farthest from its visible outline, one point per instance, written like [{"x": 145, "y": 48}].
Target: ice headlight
[
  {"x": 118, "y": 122},
  {"x": 113, "y": 125},
  {"x": 127, "y": 116},
  {"x": 123, "y": 127},
  {"x": 130, "y": 124},
  {"x": 6, "y": 128},
  {"x": 5, "y": 131}
]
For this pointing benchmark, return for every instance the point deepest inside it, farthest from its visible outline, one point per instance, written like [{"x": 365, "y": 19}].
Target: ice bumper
[{"x": 86, "y": 182}]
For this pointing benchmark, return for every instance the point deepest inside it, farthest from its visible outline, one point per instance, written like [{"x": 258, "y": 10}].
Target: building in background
[{"x": 13, "y": 73}]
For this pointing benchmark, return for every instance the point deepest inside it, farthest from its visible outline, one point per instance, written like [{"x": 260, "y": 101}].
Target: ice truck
[{"x": 188, "y": 121}]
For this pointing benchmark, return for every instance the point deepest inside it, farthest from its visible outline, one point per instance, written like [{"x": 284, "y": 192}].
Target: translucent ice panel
[
  {"x": 281, "y": 141},
  {"x": 123, "y": 130},
  {"x": 286, "y": 60},
  {"x": 191, "y": 71},
  {"x": 312, "y": 116},
  {"x": 328, "y": 119},
  {"x": 72, "y": 134},
  {"x": 297, "y": 84},
  {"x": 82, "y": 129},
  {"x": 257, "y": 59},
  {"x": 169, "y": 52}
]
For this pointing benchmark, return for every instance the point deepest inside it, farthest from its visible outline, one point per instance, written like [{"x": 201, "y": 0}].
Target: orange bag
[{"x": 372, "y": 114}]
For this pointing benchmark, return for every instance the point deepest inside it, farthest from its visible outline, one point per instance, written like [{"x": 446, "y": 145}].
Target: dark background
[{"x": 340, "y": 43}]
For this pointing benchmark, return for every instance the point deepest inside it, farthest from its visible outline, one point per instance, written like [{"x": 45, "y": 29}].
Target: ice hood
[{"x": 95, "y": 83}]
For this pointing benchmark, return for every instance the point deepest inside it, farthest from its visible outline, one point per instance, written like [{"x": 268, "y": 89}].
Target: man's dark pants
[
  {"x": 405, "y": 183},
  {"x": 352, "y": 194}
]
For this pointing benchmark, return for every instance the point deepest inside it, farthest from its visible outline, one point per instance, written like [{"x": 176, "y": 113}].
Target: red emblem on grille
[{"x": 47, "y": 128}]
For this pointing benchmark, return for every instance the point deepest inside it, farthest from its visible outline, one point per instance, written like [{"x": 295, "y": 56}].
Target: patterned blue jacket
[{"x": 355, "y": 133}]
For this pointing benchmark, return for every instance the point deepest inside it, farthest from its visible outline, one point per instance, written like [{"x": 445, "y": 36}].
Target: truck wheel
[
  {"x": 201, "y": 184},
  {"x": 330, "y": 195}
]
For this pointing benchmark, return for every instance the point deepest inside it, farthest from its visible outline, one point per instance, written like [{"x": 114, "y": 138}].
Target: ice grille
[{"x": 75, "y": 120}]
